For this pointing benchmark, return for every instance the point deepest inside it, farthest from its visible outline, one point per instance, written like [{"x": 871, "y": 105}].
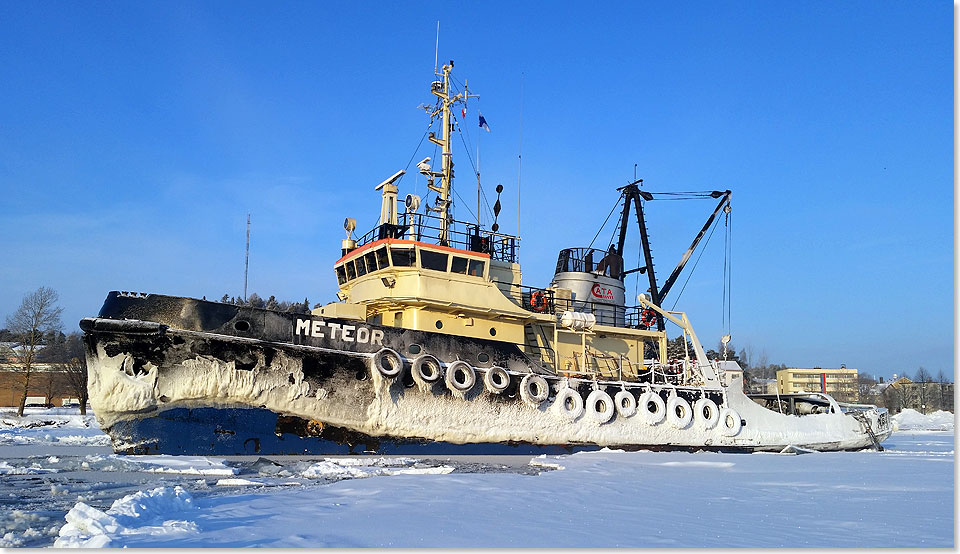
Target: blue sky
[{"x": 135, "y": 138}]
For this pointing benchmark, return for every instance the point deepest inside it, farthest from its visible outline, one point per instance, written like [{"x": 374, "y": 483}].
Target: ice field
[{"x": 61, "y": 485}]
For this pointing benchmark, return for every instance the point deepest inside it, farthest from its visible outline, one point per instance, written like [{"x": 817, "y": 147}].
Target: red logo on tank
[{"x": 602, "y": 292}]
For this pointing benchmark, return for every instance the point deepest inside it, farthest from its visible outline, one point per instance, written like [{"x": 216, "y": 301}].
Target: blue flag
[{"x": 483, "y": 123}]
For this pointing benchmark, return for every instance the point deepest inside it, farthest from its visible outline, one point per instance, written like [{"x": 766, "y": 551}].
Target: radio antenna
[
  {"x": 436, "y": 51},
  {"x": 246, "y": 264},
  {"x": 520, "y": 154}
]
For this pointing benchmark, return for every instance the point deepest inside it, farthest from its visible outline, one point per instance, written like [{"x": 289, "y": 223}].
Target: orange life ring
[
  {"x": 648, "y": 317},
  {"x": 538, "y": 301}
]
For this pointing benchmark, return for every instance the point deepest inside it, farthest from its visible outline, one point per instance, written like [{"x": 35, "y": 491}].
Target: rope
[
  {"x": 702, "y": 250},
  {"x": 617, "y": 203}
]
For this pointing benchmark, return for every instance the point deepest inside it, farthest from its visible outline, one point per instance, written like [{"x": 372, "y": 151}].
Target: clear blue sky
[{"x": 135, "y": 138}]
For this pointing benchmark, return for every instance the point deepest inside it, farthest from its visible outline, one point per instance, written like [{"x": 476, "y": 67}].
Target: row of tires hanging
[{"x": 599, "y": 406}]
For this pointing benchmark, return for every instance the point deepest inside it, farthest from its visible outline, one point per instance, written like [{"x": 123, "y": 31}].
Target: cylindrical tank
[{"x": 597, "y": 294}]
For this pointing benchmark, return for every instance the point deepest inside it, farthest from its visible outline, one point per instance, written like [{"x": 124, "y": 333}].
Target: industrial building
[{"x": 839, "y": 383}]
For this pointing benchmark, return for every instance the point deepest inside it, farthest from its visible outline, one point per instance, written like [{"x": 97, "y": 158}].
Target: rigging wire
[
  {"x": 694, "y": 268},
  {"x": 617, "y": 203}
]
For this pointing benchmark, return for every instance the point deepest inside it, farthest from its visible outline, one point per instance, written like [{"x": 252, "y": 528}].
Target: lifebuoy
[
  {"x": 730, "y": 423},
  {"x": 534, "y": 389},
  {"x": 569, "y": 403},
  {"x": 626, "y": 403},
  {"x": 388, "y": 362},
  {"x": 426, "y": 371},
  {"x": 600, "y": 406},
  {"x": 679, "y": 413},
  {"x": 538, "y": 301},
  {"x": 648, "y": 317},
  {"x": 652, "y": 407},
  {"x": 706, "y": 412},
  {"x": 496, "y": 380},
  {"x": 460, "y": 376}
]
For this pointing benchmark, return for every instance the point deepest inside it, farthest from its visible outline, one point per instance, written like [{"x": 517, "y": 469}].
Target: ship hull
[{"x": 184, "y": 376}]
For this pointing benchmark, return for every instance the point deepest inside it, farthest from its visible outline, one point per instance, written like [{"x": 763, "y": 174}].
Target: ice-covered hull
[{"x": 179, "y": 375}]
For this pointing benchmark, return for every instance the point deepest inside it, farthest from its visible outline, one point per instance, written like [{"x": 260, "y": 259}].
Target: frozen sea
[{"x": 61, "y": 485}]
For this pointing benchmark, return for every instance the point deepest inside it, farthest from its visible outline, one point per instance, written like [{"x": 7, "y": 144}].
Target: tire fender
[
  {"x": 387, "y": 362},
  {"x": 496, "y": 380},
  {"x": 460, "y": 376},
  {"x": 679, "y": 412},
  {"x": 652, "y": 407},
  {"x": 534, "y": 390},
  {"x": 706, "y": 412},
  {"x": 626, "y": 403},
  {"x": 569, "y": 403},
  {"x": 730, "y": 423},
  {"x": 600, "y": 406}
]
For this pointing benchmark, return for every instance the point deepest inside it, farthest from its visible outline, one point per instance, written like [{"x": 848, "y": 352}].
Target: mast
[
  {"x": 442, "y": 91},
  {"x": 246, "y": 263}
]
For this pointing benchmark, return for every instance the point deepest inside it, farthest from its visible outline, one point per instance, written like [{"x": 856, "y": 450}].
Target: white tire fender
[
  {"x": 496, "y": 380},
  {"x": 652, "y": 407},
  {"x": 706, "y": 412},
  {"x": 626, "y": 403},
  {"x": 679, "y": 412},
  {"x": 569, "y": 403},
  {"x": 730, "y": 423},
  {"x": 600, "y": 406},
  {"x": 534, "y": 390}
]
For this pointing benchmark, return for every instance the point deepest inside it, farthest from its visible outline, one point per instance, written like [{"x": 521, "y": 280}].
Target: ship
[{"x": 435, "y": 345}]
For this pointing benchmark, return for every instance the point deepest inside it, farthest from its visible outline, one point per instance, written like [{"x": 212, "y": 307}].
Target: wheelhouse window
[
  {"x": 351, "y": 272},
  {"x": 382, "y": 259},
  {"x": 433, "y": 260},
  {"x": 361, "y": 267},
  {"x": 403, "y": 257},
  {"x": 476, "y": 268},
  {"x": 458, "y": 265},
  {"x": 341, "y": 275},
  {"x": 371, "y": 260}
]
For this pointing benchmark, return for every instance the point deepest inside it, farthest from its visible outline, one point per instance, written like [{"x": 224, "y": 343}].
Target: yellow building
[{"x": 838, "y": 383}]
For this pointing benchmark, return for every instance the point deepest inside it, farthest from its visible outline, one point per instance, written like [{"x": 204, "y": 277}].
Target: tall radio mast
[{"x": 246, "y": 264}]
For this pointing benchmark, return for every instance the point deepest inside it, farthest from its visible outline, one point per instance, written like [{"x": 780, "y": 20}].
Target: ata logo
[{"x": 602, "y": 292}]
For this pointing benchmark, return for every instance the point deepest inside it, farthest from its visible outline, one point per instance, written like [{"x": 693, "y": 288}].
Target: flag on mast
[{"x": 483, "y": 123}]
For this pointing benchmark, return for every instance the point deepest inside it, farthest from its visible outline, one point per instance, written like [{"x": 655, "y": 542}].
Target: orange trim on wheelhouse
[{"x": 370, "y": 246}]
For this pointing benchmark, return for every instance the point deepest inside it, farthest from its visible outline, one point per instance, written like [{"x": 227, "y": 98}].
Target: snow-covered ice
[{"x": 90, "y": 497}]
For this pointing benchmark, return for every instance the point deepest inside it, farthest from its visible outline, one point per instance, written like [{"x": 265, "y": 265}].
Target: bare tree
[
  {"x": 942, "y": 382},
  {"x": 76, "y": 371},
  {"x": 38, "y": 314},
  {"x": 922, "y": 380}
]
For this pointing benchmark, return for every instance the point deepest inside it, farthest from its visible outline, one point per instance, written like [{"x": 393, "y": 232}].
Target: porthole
[
  {"x": 439, "y": 324},
  {"x": 414, "y": 349},
  {"x": 483, "y": 357},
  {"x": 493, "y": 332},
  {"x": 242, "y": 325}
]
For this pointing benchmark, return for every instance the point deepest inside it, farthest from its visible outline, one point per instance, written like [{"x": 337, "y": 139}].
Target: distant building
[
  {"x": 924, "y": 397},
  {"x": 839, "y": 383},
  {"x": 48, "y": 386},
  {"x": 763, "y": 386}
]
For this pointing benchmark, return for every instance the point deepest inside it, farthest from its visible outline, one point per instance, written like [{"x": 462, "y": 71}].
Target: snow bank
[
  {"x": 147, "y": 513},
  {"x": 913, "y": 420}
]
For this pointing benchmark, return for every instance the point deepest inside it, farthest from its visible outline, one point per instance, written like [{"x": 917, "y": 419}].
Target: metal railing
[{"x": 460, "y": 234}]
